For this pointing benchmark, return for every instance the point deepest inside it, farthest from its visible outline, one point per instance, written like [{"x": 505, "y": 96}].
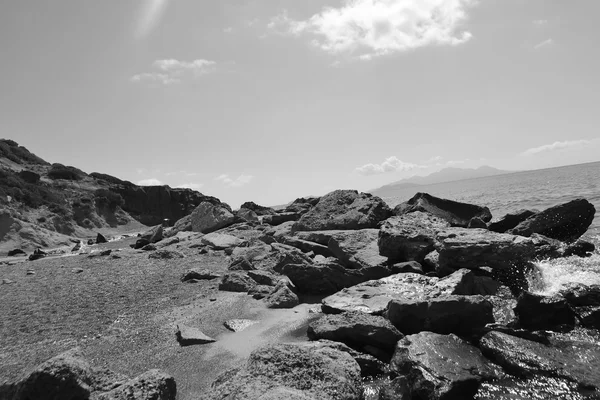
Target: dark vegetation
[
  {"x": 106, "y": 198},
  {"x": 31, "y": 195},
  {"x": 18, "y": 154},
  {"x": 59, "y": 171},
  {"x": 109, "y": 178}
]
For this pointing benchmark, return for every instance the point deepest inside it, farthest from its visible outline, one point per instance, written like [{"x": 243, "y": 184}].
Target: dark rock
[
  {"x": 263, "y": 277},
  {"x": 344, "y": 209},
  {"x": 151, "y": 385},
  {"x": 77, "y": 247},
  {"x": 357, "y": 330},
  {"x": 282, "y": 297},
  {"x": 90, "y": 242},
  {"x": 510, "y": 221},
  {"x": 166, "y": 255},
  {"x": 16, "y": 252},
  {"x": 280, "y": 218},
  {"x": 208, "y": 217},
  {"x": 454, "y": 212},
  {"x": 247, "y": 215},
  {"x": 580, "y": 248},
  {"x": 182, "y": 225},
  {"x": 154, "y": 235},
  {"x": 221, "y": 241},
  {"x": 357, "y": 249},
  {"x": 573, "y": 359},
  {"x": 101, "y": 239},
  {"x": 302, "y": 205},
  {"x": 140, "y": 243},
  {"x": 578, "y": 294},
  {"x": 565, "y": 222},
  {"x": 369, "y": 365},
  {"x": 538, "y": 388},
  {"x": 294, "y": 372},
  {"x": 259, "y": 210},
  {"x": 409, "y": 266},
  {"x": 188, "y": 336},
  {"x": 260, "y": 291},
  {"x": 29, "y": 176},
  {"x": 149, "y": 247},
  {"x": 441, "y": 366},
  {"x": 236, "y": 282},
  {"x": 537, "y": 312},
  {"x": 37, "y": 254},
  {"x": 307, "y": 246},
  {"x": 204, "y": 274},
  {"x": 409, "y": 237},
  {"x": 476, "y": 222}
]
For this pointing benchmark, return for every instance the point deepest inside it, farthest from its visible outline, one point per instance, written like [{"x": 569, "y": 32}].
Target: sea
[{"x": 534, "y": 190}]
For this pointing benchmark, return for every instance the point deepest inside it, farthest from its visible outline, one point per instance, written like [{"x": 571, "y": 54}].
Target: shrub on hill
[
  {"x": 18, "y": 154},
  {"x": 59, "y": 171},
  {"x": 106, "y": 198},
  {"x": 107, "y": 178},
  {"x": 29, "y": 194}
]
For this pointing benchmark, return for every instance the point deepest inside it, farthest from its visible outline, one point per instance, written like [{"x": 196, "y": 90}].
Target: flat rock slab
[
  {"x": 187, "y": 336},
  {"x": 441, "y": 366},
  {"x": 221, "y": 241},
  {"x": 238, "y": 325},
  {"x": 202, "y": 274},
  {"x": 357, "y": 249}
]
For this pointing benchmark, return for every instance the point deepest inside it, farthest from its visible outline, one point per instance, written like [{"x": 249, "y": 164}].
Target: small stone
[
  {"x": 30, "y": 272},
  {"x": 77, "y": 270},
  {"x": 7, "y": 281},
  {"x": 238, "y": 325},
  {"x": 213, "y": 299},
  {"x": 187, "y": 336}
]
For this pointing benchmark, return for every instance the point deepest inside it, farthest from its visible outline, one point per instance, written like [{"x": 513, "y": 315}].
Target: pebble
[
  {"x": 7, "y": 281},
  {"x": 77, "y": 270},
  {"x": 213, "y": 299},
  {"x": 30, "y": 272}
]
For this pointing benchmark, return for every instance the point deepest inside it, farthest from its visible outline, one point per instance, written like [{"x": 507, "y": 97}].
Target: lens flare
[{"x": 149, "y": 18}]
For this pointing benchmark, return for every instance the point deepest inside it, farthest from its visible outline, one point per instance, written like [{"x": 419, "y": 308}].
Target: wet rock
[
  {"x": 236, "y": 282},
  {"x": 282, "y": 297},
  {"x": 188, "y": 336},
  {"x": 357, "y": 249},
  {"x": 344, "y": 209},
  {"x": 369, "y": 365},
  {"x": 537, "y": 312},
  {"x": 221, "y": 241},
  {"x": 202, "y": 274},
  {"x": 357, "y": 330},
  {"x": 565, "y": 222},
  {"x": 208, "y": 217},
  {"x": 538, "y": 388},
  {"x": 238, "y": 325},
  {"x": 441, "y": 366},
  {"x": 16, "y": 252},
  {"x": 454, "y": 212},
  {"x": 151, "y": 385},
  {"x": 573, "y": 359},
  {"x": 409, "y": 237},
  {"x": 101, "y": 239},
  {"x": 292, "y": 371},
  {"x": 510, "y": 221},
  {"x": 580, "y": 248},
  {"x": 166, "y": 255}
]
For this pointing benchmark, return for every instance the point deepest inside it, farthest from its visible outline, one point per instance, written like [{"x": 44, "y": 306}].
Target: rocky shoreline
[{"x": 430, "y": 300}]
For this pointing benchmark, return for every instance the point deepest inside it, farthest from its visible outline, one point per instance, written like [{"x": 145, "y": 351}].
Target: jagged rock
[
  {"x": 154, "y": 235},
  {"x": 249, "y": 258},
  {"x": 247, "y": 215},
  {"x": 188, "y": 336},
  {"x": 565, "y": 222},
  {"x": 441, "y": 367},
  {"x": 373, "y": 296},
  {"x": 263, "y": 277},
  {"x": 280, "y": 218},
  {"x": 16, "y": 252},
  {"x": 282, "y": 297},
  {"x": 236, "y": 282},
  {"x": 258, "y": 209},
  {"x": 306, "y": 246},
  {"x": 344, "y": 209},
  {"x": 166, "y": 255},
  {"x": 454, "y": 212},
  {"x": 280, "y": 231},
  {"x": 581, "y": 248},
  {"x": 302, "y": 205},
  {"x": 476, "y": 222},
  {"x": 291, "y": 371},
  {"x": 431, "y": 261},
  {"x": 151, "y": 385},
  {"x": 573, "y": 359},
  {"x": 101, "y": 239},
  {"x": 409, "y": 237},
  {"x": 221, "y": 241},
  {"x": 357, "y": 249},
  {"x": 204, "y": 274},
  {"x": 207, "y": 217},
  {"x": 357, "y": 330},
  {"x": 37, "y": 254},
  {"x": 238, "y": 325},
  {"x": 509, "y": 221},
  {"x": 537, "y": 312}
]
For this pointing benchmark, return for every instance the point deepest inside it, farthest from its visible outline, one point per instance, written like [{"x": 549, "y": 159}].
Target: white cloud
[
  {"x": 435, "y": 159},
  {"x": 150, "y": 182},
  {"x": 554, "y": 146},
  {"x": 377, "y": 27},
  {"x": 545, "y": 43},
  {"x": 237, "y": 182},
  {"x": 170, "y": 71},
  {"x": 150, "y": 16},
  {"x": 193, "y": 186},
  {"x": 391, "y": 164}
]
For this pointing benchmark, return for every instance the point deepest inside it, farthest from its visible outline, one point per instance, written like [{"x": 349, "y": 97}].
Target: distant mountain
[{"x": 444, "y": 175}]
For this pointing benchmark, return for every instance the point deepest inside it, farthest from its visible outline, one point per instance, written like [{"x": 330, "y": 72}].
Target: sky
[{"x": 264, "y": 101}]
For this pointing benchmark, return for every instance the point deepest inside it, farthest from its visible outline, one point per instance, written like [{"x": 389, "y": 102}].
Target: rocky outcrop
[
  {"x": 510, "y": 221},
  {"x": 356, "y": 249},
  {"x": 258, "y": 209},
  {"x": 292, "y": 371},
  {"x": 565, "y": 222},
  {"x": 454, "y": 212},
  {"x": 441, "y": 367},
  {"x": 151, "y": 385},
  {"x": 344, "y": 209},
  {"x": 410, "y": 236},
  {"x": 247, "y": 215},
  {"x": 208, "y": 217}
]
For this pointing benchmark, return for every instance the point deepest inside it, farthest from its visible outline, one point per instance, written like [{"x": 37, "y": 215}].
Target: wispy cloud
[
  {"x": 237, "y": 182},
  {"x": 170, "y": 71},
  {"x": 554, "y": 146},
  {"x": 370, "y": 28},
  {"x": 545, "y": 43},
  {"x": 150, "y": 182},
  {"x": 391, "y": 164},
  {"x": 149, "y": 17},
  {"x": 193, "y": 186}
]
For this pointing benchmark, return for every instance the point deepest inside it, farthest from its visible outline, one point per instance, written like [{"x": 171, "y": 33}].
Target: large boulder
[
  {"x": 292, "y": 371},
  {"x": 208, "y": 217},
  {"x": 358, "y": 330},
  {"x": 510, "y": 221},
  {"x": 565, "y": 222},
  {"x": 454, "y": 212},
  {"x": 151, "y": 385},
  {"x": 344, "y": 209},
  {"x": 537, "y": 312},
  {"x": 441, "y": 367},
  {"x": 410, "y": 236},
  {"x": 357, "y": 249},
  {"x": 575, "y": 359}
]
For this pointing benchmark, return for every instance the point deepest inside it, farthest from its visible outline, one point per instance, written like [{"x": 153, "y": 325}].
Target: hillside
[
  {"x": 444, "y": 175},
  {"x": 50, "y": 205}
]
